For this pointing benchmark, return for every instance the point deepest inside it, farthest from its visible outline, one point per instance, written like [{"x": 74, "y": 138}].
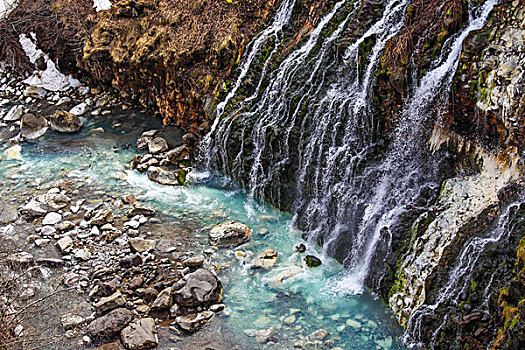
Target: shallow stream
[{"x": 291, "y": 301}]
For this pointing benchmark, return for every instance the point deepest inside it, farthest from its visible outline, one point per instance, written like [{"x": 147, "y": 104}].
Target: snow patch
[
  {"x": 51, "y": 79},
  {"x": 101, "y": 5},
  {"x": 6, "y": 6}
]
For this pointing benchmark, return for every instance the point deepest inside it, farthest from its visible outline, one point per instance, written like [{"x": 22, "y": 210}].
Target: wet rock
[
  {"x": 263, "y": 336},
  {"x": 65, "y": 122},
  {"x": 267, "y": 260},
  {"x": 157, "y": 145},
  {"x": 312, "y": 261},
  {"x": 33, "y": 127},
  {"x": 141, "y": 245},
  {"x": 35, "y": 92},
  {"x": 192, "y": 322},
  {"x": 202, "y": 288},
  {"x": 14, "y": 114},
  {"x": 287, "y": 273},
  {"x": 196, "y": 261},
  {"x": 52, "y": 218},
  {"x": 137, "y": 210},
  {"x": 50, "y": 262},
  {"x": 83, "y": 254},
  {"x": 163, "y": 301},
  {"x": 109, "y": 325},
  {"x": 108, "y": 303},
  {"x": 8, "y": 214},
  {"x": 65, "y": 226},
  {"x": 144, "y": 139},
  {"x": 64, "y": 244},
  {"x": 318, "y": 335},
  {"x": 166, "y": 177},
  {"x": 136, "y": 282},
  {"x": 217, "y": 307},
  {"x": 178, "y": 155},
  {"x": 139, "y": 334},
  {"x": 70, "y": 279},
  {"x": 299, "y": 248},
  {"x": 229, "y": 233},
  {"x": 175, "y": 310}
]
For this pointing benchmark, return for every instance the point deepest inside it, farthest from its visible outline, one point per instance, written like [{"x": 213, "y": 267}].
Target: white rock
[{"x": 51, "y": 218}]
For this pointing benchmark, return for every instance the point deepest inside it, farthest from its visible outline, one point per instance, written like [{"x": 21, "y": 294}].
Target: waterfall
[
  {"x": 309, "y": 142},
  {"x": 459, "y": 277}
]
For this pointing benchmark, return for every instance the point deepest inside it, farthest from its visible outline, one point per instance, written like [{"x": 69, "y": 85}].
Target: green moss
[{"x": 473, "y": 285}]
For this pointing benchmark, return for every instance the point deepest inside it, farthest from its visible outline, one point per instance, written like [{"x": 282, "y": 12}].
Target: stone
[
  {"x": 150, "y": 294},
  {"x": 51, "y": 218},
  {"x": 353, "y": 324},
  {"x": 70, "y": 279},
  {"x": 287, "y": 273},
  {"x": 289, "y": 320},
  {"x": 33, "y": 127},
  {"x": 131, "y": 260},
  {"x": 157, "y": 145},
  {"x": 144, "y": 139},
  {"x": 318, "y": 335},
  {"x": 175, "y": 310},
  {"x": 132, "y": 223},
  {"x": 64, "y": 244},
  {"x": 163, "y": 301},
  {"x": 21, "y": 259},
  {"x": 8, "y": 214},
  {"x": 299, "y": 248},
  {"x": 139, "y": 334},
  {"x": 202, "y": 288},
  {"x": 229, "y": 233},
  {"x": 263, "y": 336},
  {"x": 109, "y": 325},
  {"x": 217, "y": 307},
  {"x": 53, "y": 201},
  {"x": 101, "y": 217},
  {"x": 35, "y": 92},
  {"x": 166, "y": 177},
  {"x": 83, "y": 254},
  {"x": 312, "y": 261},
  {"x": 70, "y": 321},
  {"x": 65, "y": 226},
  {"x": 141, "y": 245},
  {"x": 138, "y": 210},
  {"x": 196, "y": 261},
  {"x": 178, "y": 155},
  {"x": 79, "y": 109},
  {"x": 267, "y": 260},
  {"x": 14, "y": 114},
  {"x": 113, "y": 301},
  {"x": 65, "y": 122},
  {"x": 192, "y": 322}
]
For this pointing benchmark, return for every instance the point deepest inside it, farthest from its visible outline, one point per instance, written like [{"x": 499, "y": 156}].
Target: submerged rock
[
  {"x": 33, "y": 127},
  {"x": 139, "y": 334},
  {"x": 63, "y": 121},
  {"x": 202, "y": 288},
  {"x": 229, "y": 233},
  {"x": 266, "y": 260}
]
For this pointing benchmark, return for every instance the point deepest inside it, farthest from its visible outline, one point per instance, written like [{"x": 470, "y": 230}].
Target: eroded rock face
[
  {"x": 66, "y": 122},
  {"x": 229, "y": 233},
  {"x": 33, "y": 127},
  {"x": 202, "y": 288}
]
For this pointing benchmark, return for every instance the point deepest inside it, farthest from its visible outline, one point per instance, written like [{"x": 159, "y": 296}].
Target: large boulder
[
  {"x": 139, "y": 334},
  {"x": 166, "y": 177},
  {"x": 63, "y": 121},
  {"x": 109, "y": 325},
  {"x": 33, "y": 127},
  {"x": 202, "y": 288},
  {"x": 229, "y": 233}
]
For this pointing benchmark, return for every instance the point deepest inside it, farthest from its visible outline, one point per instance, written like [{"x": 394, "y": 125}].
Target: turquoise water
[{"x": 290, "y": 307}]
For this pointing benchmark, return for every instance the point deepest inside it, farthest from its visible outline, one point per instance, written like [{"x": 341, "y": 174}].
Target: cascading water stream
[
  {"x": 310, "y": 143},
  {"x": 459, "y": 277}
]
